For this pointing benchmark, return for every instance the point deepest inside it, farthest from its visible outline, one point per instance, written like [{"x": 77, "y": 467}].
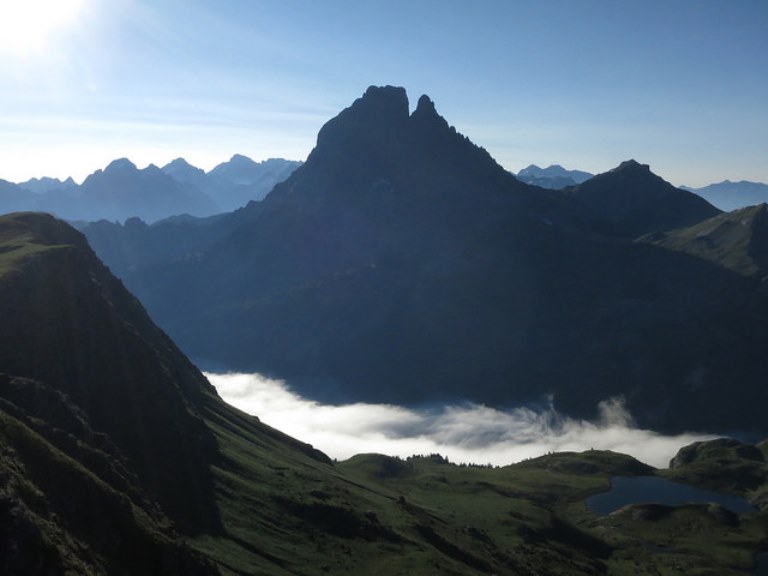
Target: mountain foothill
[{"x": 400, "y": 263}]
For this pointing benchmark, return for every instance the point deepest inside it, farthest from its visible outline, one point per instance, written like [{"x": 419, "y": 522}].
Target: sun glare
[{"x": 27, "y": 26}]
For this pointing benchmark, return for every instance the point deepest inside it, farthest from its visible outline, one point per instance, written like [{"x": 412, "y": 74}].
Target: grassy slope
[
  {"x": 733, "y": 240},
  {"x": 59, "y": 514},
  {"x": 285, "y": 512}
]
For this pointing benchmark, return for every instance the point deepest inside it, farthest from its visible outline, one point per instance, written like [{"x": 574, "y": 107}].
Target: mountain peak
[
  {"x": 120, "y": 164},
  {"x": 391, "y": 100},
  {"x": 632, "y": 165},
  {"x": 425, "y": 106},
  {"x": 178, "y": 163},
  {"x": 241, "y": 159},
  {"x": 638, "y": 202},
  {"x": 377, "y": 139},
  {"x": 425, "y": 113},
  {"x": 380, "y": 109}
]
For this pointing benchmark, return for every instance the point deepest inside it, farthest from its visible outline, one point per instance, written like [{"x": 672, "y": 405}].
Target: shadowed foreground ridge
[{"x": 117, "y": 457}]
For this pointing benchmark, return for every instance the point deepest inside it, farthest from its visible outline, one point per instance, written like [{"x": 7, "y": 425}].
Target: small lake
[{"x": 655, "y": 490}]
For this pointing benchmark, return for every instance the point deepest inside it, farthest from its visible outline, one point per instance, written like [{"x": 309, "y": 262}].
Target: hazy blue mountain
[
  {"x": 122, "y": 191},
  {"x": 46, "y": 184},
  {"x": 183, "y": 172},
  {"x": 554, "y": 177},
  {"x": 400, "y": 263},
  {"x": 728, "y": 195},
  {"x": 234, "y": 183},
  {"x": 12, "y": 197}
]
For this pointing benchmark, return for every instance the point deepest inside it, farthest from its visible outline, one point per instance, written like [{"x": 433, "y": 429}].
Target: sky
[
  {"x": 467, "y": 433},
  {"x": 681, "y": 85}
]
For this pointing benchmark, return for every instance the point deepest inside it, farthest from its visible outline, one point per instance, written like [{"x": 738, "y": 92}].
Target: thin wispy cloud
[{"x": 468, "y": 433}]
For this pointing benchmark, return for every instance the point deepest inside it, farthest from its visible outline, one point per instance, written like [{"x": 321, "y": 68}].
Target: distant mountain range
[
  {"x": 400, "y": 263},
  {"x": 729, "y": 195},
  {"x": 123, "y": 191},
  {"x": 554, "y": 177}
]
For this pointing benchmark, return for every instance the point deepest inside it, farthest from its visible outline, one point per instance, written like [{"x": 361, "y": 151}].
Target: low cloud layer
[{"x": 469, "y": 433}]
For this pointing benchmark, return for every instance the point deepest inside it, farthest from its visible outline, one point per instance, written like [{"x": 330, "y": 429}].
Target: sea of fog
[{"x": 466, "y": 433}]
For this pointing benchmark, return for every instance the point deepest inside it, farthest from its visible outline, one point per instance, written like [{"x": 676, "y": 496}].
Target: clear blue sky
[{"x": 679, "y": 84}]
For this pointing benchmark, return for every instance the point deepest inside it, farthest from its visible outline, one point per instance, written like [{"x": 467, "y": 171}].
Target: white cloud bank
[{"x": 469, "y": 433}]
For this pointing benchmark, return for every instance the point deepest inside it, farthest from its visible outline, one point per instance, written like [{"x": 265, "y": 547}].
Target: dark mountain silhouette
[
  {"x": 636, "y": 201},
  {"x": 554, "y": 177},
  {"x": 729, "y": 196},
  {"x": 402, "y": 264}
]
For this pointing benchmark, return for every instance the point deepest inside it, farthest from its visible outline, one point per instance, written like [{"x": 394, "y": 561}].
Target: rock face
[{"x": 400, "y": 263}]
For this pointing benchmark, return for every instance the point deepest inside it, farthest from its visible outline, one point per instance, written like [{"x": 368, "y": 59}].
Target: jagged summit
[
  {"x": 389, "y": 101},
  {"x": 381, "y": 110},
  {"x": 376, "y": 140},
  {"x": 425, "y": 105}
]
